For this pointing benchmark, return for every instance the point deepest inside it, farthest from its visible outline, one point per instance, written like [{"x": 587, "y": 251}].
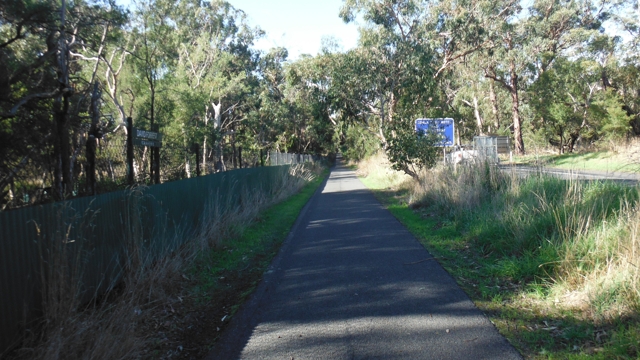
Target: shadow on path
[{"x": 352, "y": 283}]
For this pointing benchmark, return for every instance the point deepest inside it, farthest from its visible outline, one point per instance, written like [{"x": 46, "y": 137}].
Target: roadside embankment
[{"x": 555, "y": 263}]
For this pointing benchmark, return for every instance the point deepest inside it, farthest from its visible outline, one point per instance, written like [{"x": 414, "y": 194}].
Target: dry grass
[
  {"x": 114, "y": 325},
  {"x": 599, "y": 271},
  {"x": 620, "y": 156},
  {"x": 379, "y": 168},
  {"x": 460, "y": 189},
  {"x": 593, "y": 228}
]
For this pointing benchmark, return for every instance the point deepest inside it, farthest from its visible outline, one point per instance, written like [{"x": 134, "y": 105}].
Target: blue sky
[{"x": 298, "y": 25}]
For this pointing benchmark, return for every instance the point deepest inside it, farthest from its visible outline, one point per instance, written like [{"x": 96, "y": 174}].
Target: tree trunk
[
  {"x": 197, "y": 151},
  {"x": 62, "y": 150},
  {"x": 573, "y": 137},
  {"x": 217, "y": 110},
  {"x": 494, "y": 107},
  {"x": 410, "y": 173},
  {"x": 93, "y": 136},
  {"x": 155, "y": 152},
  {"x": 217, "y": 114},
  {"x": 515, "y": 108},
  {"x": 91, "y": 165},
  {"x": 234, "y": 157},
  {"x": 152, "y": 157},
  {"x": 204, "y": 142},
  {"x": 131, "y": 165},
  {"x": 187, "y": 154},
  {"x": 476, "y": 113},
  {"x": 220, "y": 165}
]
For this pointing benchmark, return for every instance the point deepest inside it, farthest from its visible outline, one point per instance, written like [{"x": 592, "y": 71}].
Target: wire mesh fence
[
  {"x": 111, "y": 164},
  {"x": 31, "y": 182},
  {"x": 278, "y": 158}
]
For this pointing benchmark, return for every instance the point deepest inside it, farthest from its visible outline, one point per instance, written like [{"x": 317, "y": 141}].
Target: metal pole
[
  {"x": 197, "y": 149},
  {"x": 444, "y": 156},
  {"x": 156, "y": 158},
  {"x": 130, "y": 177}
]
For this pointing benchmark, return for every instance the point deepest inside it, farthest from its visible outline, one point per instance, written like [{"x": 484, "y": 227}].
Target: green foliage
[
  {"x": 545, "y": 71},
  {"x": 411, "y": 152},
  {"x": 616, "y": 122},
  {"x": 358, "y": 143}
]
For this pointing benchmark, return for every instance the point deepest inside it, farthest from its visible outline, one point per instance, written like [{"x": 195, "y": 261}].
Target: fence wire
[{"x": 32, "y": 179}]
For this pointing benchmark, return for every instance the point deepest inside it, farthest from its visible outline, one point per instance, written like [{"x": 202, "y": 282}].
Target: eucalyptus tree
[
  {"x": 506, "y": 63},
  {"x": 526, "y": 44},
  {"x": 27, "y": 47},
  {"x": 390, "y": 78},
  {"x": 392, "y": 61},
  {"x": 154, "y": 57},
  {"x": 216, "y": 65},
  {"x": 563, "y": 101},
  {"x": 271, "y": 118},
  {"x": 625, "y": 80},
  {"x": 310, "y": 81},
  {"x": 624, "y": 75},
  {"x": 45, "y": 93}
]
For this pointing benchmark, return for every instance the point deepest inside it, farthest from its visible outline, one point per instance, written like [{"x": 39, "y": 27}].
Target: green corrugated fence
[{"x": 94, "y": 233}]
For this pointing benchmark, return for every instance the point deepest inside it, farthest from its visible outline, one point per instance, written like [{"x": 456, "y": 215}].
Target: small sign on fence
[{"x": 147, "y": 138}]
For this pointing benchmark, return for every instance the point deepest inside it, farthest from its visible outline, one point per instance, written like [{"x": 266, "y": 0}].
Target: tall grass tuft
[
  {"x": 112, "y": 324},
  {"x": 579, "y": 238}
]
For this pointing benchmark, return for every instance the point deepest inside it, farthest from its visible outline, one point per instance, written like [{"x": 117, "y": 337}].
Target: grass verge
[
  {"x": 554, "y": 264},
  {"x": 223, "y": 277},
  {"x": 606, "y": 161}
]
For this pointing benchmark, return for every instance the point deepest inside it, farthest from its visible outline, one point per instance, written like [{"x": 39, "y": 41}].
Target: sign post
[
  {"x": 130, "y": 173},
  {"x": 152, "y": 139},
  {"x": 147, "y": 138},
  {"x": 443, "y": 127}
]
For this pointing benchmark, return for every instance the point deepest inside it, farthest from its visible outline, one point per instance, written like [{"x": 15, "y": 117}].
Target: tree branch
[
  {"x": 448, "y": 61},
  {"x": 495, "y": 78},
  {"x": 18, "y": 36},
  {"x": 24, "y": 100}
]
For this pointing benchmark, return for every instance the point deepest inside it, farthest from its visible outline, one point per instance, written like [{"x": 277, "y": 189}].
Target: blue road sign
[{"x": 441, "y": 126}]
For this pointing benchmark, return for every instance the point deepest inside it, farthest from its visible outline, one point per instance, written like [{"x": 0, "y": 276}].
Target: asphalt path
[{"x": 351, "y": 282}]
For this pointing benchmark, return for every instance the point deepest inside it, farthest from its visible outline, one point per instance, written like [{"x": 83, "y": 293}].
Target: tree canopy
[{"x": 545, "y": 72}]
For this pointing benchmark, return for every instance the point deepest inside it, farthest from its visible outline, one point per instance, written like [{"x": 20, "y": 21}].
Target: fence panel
[
  {"x": 99, "y": 229},
  {"x": 31, "y": 182},
  {"x": 277, "y": 158}
]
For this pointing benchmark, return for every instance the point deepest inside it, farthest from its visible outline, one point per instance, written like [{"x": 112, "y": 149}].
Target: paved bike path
[{"x": 349, "y": 283}]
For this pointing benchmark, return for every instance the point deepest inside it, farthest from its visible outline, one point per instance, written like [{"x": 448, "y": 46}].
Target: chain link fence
[
  {"x": 278, "y": 158},
  {"x": 31, "y": 181}
]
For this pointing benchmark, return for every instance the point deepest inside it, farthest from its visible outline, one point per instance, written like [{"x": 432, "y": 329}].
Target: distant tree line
[
  {"x": 74, "y": 71},
  {"x": 544, "y": 72}
]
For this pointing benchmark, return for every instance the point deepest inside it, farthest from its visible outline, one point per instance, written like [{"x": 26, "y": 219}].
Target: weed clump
[{"x": 583, "y": 236}]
